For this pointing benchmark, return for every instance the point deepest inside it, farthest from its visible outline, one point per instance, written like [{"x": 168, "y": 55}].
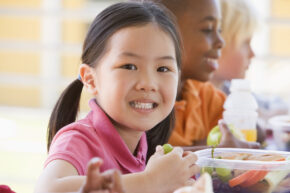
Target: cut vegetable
[
  {"x": 255, "y": 178},
  {"x": 241, "y": 178},
  {"x": 274, "y": 178}
]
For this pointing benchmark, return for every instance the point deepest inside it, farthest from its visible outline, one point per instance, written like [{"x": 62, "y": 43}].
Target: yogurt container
[
  {"x": 235, "y": 170},
  {"x": 281, "y": 131}
]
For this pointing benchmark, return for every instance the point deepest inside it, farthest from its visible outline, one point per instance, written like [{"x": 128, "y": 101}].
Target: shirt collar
[{"x": 118, "y": 148}]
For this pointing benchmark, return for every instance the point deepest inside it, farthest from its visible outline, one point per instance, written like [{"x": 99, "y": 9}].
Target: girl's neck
[{"x": 131, "y": 137}]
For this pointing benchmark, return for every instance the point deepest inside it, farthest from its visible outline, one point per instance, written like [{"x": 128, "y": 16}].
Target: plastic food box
[
  {"x": 281, "y": 131},
  {"x": 235, "y": 170}
]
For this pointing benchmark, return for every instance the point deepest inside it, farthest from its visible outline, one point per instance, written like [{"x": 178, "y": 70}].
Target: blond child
[{"x": 239, "y": 22}]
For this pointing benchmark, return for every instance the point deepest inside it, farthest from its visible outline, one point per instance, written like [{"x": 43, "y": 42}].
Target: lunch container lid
[
  {"x": 280, "y": 122},
  {"x": 205, "y": 160}
]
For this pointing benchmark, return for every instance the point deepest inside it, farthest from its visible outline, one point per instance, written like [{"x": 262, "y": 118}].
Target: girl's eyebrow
[
  {"x": 130, "y": 54},
  {"x": 166, "y": 58}
]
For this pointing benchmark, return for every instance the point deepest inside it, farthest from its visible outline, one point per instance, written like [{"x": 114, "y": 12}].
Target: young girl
[{"x": 131, "y": 63}]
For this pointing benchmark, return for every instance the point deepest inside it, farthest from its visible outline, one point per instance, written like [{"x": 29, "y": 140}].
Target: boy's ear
[{"x": 87, "y": 74}]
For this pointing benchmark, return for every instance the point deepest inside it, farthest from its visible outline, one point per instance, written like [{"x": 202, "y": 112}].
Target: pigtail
[
  {"x": 160, "y": 134},
  {"x": 65, "y": 110}
]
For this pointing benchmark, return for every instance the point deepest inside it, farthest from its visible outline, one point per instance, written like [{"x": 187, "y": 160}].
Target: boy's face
[{"x": 200, "y": 32}]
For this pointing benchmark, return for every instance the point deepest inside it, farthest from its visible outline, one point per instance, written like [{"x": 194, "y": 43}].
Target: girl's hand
[
  {"x": 171, "y": 171},
  {"x": 228, "y": 139},
  {"x": 96, "y": 182}
]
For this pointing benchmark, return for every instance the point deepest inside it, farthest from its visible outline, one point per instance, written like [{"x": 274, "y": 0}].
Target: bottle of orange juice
[{"x": 241, "y": 109}]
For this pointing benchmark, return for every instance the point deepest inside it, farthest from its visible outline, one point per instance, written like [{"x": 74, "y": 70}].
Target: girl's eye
[
  {"x": 129, "y": 67},
  {"x": 163, "y": 69}
]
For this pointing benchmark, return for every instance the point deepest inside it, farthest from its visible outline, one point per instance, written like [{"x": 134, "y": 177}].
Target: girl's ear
[{"x": 87, "y": 74}]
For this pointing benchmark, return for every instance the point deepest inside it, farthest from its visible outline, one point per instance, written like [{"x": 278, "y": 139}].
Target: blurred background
[{"x": 40, "y": 47}]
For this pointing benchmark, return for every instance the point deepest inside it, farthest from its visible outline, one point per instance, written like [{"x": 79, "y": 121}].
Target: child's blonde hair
[{"x": 239, "y": 20}]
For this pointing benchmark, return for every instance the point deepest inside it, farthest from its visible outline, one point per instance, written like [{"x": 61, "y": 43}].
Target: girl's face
[
  {"x": 136, "y": 79},
  {"x": 200, "y": 31},
  {"x": 235, "y": 60}
]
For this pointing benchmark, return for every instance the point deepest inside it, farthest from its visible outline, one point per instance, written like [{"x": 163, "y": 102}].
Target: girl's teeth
[{"x": 139, "y": 105}]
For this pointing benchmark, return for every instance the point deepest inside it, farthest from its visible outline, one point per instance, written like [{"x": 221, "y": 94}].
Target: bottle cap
[
  {"x": 240, "y": 85},
  {"x": 243, "y": 100}
]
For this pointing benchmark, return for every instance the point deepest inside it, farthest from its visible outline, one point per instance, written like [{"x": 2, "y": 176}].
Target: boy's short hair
[{"x": 239, "y": 20}]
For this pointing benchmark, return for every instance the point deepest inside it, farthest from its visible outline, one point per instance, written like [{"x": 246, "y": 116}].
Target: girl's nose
[{"x": 146, "y": 83}]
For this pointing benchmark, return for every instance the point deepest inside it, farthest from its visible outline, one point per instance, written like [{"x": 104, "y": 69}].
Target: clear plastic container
[
  {"x": 232, "y": 172},
  {"x": 281, "y": 131}
]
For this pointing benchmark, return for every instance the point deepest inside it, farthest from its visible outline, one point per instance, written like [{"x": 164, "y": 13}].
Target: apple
[
  {"x": 167, "y": 148},
  {"x": 214, "y": 136}
]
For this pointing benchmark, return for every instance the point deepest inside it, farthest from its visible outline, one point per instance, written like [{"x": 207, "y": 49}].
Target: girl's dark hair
[{"x": 109, "y": 21}]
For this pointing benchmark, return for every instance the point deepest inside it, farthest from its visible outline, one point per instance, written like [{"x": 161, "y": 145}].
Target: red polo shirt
[{"x": 95, "y": 136}]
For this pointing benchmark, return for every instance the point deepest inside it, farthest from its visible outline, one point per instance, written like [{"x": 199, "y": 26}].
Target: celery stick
[{"x": 274, "y": 178}]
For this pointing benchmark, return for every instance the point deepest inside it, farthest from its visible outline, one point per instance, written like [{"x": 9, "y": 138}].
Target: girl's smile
[{"x": 143, "y": 105}]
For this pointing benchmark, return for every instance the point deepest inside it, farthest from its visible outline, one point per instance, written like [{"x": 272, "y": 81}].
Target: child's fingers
[
  {"x": 94, "y": 168},
  {"x": 185, "y": 153},
  {"x": 254, "y": 145},
  {"x": 224, "y": 128},
  {"x": 112, "y": 181},
  {"x": 95, "y": 163},
  {"x": 194, "y": 169},
  {"x": 203, "y": 184},
  {"x": 93, "y": 175},
  {"x": 108, "y": 179},
  {"x": 177, "y": 150},
  {"x": 190, "y": 158},
  {"x": 118, "y": 187},
  {"x": 189, "y": 182},
  {"x": 159, "y": 150}
]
